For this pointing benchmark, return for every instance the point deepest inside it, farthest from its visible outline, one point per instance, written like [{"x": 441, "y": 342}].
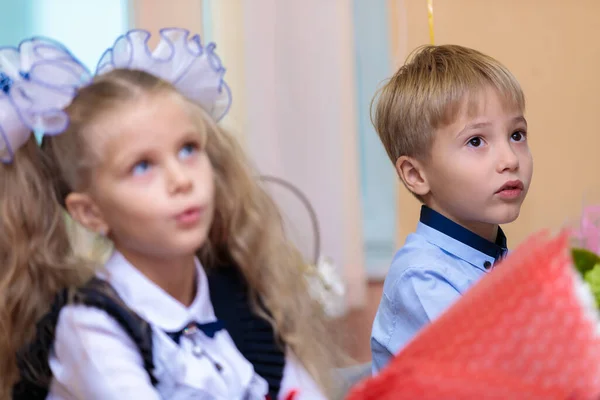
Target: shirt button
[{"x": 487, "y": 265}]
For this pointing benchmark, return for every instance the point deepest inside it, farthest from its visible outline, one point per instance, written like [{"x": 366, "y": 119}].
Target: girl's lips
[{"x": 190, "y": 216}]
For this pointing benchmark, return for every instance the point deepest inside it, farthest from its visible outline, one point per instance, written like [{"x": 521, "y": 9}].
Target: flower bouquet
[
  {"x": 528, "y": 330},
  {"x": 586, "y": 249}
]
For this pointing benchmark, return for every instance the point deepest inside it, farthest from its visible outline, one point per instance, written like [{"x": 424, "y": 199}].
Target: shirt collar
[
  {"x": 151, "y": 302},
  {"x": 460, "y": 241}
]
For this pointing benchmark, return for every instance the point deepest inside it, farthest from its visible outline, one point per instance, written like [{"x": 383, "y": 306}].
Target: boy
[{"x": 451, "y": 121}]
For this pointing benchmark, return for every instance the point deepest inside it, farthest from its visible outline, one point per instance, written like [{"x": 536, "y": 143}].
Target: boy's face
[{"x": 480, "y": 166}]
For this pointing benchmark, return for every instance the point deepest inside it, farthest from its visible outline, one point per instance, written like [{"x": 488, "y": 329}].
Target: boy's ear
[
  {"x": 84, "y": 210},
  {"x": 411, "y": 171}
]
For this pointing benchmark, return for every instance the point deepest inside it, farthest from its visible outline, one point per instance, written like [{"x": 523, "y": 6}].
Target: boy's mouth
[{"x": 511, "y": 189}]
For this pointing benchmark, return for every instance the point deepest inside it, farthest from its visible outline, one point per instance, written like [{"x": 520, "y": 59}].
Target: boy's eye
[
  {"x": 475, "y": 142},
  {"x": 188, "y": 150},
  {"x": 518, "y": 136},
  {"x": 141, "y": 167}
]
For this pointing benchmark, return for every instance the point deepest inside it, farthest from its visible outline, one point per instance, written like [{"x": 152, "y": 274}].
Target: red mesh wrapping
[{"x": 519, "y": 333}]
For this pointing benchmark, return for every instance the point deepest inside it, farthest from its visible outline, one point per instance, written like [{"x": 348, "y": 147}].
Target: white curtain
[{"x": 294, "y": 71}]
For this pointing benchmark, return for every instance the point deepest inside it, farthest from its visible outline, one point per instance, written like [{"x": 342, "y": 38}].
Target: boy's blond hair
[{"x": 428, "y": 92}]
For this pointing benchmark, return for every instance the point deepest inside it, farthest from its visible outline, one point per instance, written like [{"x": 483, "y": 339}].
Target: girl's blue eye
[
  {"x": 187, "y": 150},
  {"x": 140, "y": 168}
]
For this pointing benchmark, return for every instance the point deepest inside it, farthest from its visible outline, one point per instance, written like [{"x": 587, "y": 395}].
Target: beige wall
[
  {"x": 154, "y": 15},
  {"x": 551, "y": 46}
]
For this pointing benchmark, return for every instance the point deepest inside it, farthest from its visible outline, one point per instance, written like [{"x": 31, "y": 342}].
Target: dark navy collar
[{"x": 437, "y": 221}]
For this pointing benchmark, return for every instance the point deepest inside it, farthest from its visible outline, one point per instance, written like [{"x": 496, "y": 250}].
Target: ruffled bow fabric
[
  {"x": 195, "y": 70},
  {"x": 38, "y": 80}
]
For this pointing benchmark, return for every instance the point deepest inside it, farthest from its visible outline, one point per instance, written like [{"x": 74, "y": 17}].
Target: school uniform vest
[{"x": 253, "y": 336}]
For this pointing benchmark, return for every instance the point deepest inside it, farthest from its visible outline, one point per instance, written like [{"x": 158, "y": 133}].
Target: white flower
[{"x": 327, "y": 287}]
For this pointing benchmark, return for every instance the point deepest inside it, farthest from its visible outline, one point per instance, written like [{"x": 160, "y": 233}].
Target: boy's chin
[{"x": 506, "y": 215}]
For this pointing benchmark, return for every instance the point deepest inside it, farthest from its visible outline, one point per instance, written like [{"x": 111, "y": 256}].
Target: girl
[{"x": 203, "y": 296}]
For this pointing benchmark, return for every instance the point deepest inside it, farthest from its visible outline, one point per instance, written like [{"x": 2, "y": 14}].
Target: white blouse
[{"x": 94, "y": 358}]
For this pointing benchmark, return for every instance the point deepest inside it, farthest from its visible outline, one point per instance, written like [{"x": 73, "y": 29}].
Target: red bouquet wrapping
[{"x": 528, "y": 330}]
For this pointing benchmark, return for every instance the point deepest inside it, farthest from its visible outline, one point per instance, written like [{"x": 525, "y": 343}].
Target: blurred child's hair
[
  {"x": 36, "y": 257},
  {"x": 428, "y": 92},
  {"x": 38, "y": 260}
]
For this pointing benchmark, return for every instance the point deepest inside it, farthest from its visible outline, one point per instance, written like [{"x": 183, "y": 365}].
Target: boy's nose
[{"x": 508, "y": 160}]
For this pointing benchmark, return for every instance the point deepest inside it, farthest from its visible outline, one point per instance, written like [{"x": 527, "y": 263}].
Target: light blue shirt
[{"x": 436, "y": 265}]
